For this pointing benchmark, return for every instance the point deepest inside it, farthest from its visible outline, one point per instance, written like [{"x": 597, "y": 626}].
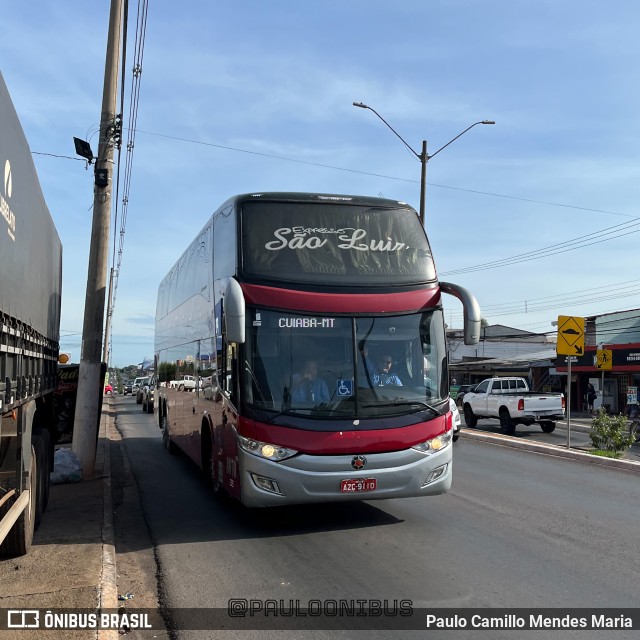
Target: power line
[
  {"x": 54, "y": 155},
  {"x": 379, "y": 175},
  {"x": 141, "y": 27},
  {"x": 562, "y": 247}
]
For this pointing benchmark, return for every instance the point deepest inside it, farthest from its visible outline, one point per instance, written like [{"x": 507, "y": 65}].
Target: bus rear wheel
[{"x": 166, "y": 440}]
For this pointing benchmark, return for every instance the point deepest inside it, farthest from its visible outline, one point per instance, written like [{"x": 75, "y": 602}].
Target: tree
[{"x": 166, "y": 371}]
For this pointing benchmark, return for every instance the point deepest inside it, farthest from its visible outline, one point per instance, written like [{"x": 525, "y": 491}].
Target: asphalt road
[
  {"x": 517, "y": 530},
  {"x": 578, "y": 439}
]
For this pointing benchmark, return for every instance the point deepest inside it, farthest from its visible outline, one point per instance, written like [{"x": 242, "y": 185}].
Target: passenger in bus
[
  {"x": 308, "y": 387},
  {"x": 384, "y": 377}
]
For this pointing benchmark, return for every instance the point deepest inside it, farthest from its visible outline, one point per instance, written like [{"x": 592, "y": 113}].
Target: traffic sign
[
  {"x": 604, "y": 358},
  {"x": 570, "y": 341}
]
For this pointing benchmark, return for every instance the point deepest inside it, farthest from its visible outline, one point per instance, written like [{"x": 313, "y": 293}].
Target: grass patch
[{"x": 605, "y": 454}]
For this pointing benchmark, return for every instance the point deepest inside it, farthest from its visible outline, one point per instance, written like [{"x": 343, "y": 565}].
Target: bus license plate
[{"x": 356, "y": 486}]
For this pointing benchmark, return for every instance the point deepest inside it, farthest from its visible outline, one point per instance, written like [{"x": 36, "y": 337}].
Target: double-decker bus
[{"x": 314, "y": 328}]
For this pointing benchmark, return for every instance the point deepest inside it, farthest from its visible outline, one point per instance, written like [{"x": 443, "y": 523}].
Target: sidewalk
[{"x": 71, "y": 564}]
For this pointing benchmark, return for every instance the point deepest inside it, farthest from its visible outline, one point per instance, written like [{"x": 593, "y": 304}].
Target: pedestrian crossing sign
[{"x": 604, "y": 358}]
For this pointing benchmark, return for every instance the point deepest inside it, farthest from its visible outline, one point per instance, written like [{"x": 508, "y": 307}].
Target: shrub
[{"x": 610, "y": 433}]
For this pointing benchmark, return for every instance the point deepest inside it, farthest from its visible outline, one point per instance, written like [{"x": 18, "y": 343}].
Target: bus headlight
[
  {"x": 265, "y": 450},
  {"x": 435, "y": 444}
]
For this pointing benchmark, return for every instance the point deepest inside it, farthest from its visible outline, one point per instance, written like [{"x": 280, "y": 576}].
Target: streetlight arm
[
  {"x": 460, "y": 134},
  {"x": 364, "y": 106}
]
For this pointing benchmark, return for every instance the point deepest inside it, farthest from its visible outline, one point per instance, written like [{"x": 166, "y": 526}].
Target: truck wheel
[
  {"x": 507, "y": 425},
  {"x": 470, "y": 418},
  {"x": 39, "y": 442},
  {"x": 48, "y": 460},
  {"x": 547, "y": 426},
  {"x": 20, "y": 537},
  {"x": 181, "y": 387}
]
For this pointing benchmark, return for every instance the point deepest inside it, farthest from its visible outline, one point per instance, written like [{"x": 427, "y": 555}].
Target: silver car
[{"x": 148, "y": 394}]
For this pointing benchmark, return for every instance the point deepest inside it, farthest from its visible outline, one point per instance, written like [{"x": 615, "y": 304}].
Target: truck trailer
[{"x": 30, "y": 296}]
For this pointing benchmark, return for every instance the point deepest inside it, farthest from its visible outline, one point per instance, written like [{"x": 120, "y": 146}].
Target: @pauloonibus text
[{"x": 346, "y": 607}]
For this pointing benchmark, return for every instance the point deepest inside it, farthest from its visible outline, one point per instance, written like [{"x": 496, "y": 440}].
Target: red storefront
[{"x": 624, "y": 372}]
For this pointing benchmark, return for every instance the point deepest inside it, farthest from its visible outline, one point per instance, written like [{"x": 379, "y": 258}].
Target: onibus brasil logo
[{"x": 5, "y": 209}]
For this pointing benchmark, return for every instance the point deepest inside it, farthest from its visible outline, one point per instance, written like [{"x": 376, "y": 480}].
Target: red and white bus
[{"x": 314, "y": 326}]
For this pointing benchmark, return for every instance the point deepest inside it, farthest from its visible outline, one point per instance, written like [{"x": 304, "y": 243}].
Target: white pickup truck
[
  {"x": 185, "y": 383},
  {"x": 510, "y": 400}
]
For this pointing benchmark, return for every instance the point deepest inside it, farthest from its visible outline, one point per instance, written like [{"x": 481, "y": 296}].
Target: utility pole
[
  {"x": 423, "y": 156},
  {"x": 85, "y": 430}
]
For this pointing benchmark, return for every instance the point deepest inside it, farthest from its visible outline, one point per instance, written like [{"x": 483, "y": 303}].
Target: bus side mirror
[
  {"x": 471, "y": 308},
  {"x": 234, "y": 312}
]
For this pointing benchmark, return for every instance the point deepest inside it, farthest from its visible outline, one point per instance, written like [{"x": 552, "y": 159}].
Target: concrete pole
[{"x": 85, "y": 430}]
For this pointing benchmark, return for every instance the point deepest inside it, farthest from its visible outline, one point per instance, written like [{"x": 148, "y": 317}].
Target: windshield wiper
[
  {"x": 317, "y": 411},
  {"x": 402, "y": 403}
]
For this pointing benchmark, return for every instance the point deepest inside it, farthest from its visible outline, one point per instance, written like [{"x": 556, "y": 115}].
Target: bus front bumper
[{"x": 333, "y": 478}]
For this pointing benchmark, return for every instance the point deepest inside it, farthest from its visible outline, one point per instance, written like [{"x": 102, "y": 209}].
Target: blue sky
[{"x": 264, "y": 92}]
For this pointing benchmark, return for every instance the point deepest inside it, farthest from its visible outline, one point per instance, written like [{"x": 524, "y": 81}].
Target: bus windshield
[{"x": 330, "y": 367}]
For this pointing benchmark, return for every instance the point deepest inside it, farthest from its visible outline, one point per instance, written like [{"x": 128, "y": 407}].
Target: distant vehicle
[
  {"x": 461, "y": 391},
  {"x": 510, "y": 400},
  {"x": 138, "y": 387},
  {"x": 148, "y": 393},
  {"x": 185, "y": 383},
  {"x": 127, "y": 388},
  {"x": 457, "y": 420}
]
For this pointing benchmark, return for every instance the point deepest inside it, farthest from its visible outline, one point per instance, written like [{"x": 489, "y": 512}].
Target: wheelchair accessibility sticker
[{"x": 345, "y": 388}]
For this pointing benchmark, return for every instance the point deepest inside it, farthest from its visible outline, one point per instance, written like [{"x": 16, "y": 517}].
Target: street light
[{"x": 424, "y": 157}]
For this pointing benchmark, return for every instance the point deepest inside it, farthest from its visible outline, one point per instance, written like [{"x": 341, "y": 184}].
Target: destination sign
[{"x": 306, "y": 323}]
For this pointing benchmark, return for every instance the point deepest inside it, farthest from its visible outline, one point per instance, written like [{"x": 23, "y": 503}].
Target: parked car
[
  {"x": 457, "y": 420},
  {"x": 139, "y": 389},
  {"x": 148, "y": 394},
  {"x": 464, "y": 388}
]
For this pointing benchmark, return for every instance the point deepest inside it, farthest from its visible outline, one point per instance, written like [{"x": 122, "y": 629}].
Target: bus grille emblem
[{"x": 358, "y": 462}]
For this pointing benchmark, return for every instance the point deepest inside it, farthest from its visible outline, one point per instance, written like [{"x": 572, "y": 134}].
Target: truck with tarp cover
[{"x": 30, "y": 296}]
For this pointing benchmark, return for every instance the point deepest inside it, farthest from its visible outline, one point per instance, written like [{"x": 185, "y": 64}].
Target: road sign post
[{"x": 570, "y": 342}]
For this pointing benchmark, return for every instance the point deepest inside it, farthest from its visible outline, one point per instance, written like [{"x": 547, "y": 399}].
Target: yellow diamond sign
[
  {"x": 570, "y": 336},
  {"x": 604, "y": 358}
]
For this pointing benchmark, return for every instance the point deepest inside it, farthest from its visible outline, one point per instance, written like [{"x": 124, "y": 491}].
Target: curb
[
  {"x": 550, "y": 450},
  {"x": 107, "y": 588}
]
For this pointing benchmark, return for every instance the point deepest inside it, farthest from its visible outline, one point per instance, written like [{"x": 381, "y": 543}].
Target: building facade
[{"x": 616, "y": 374}]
